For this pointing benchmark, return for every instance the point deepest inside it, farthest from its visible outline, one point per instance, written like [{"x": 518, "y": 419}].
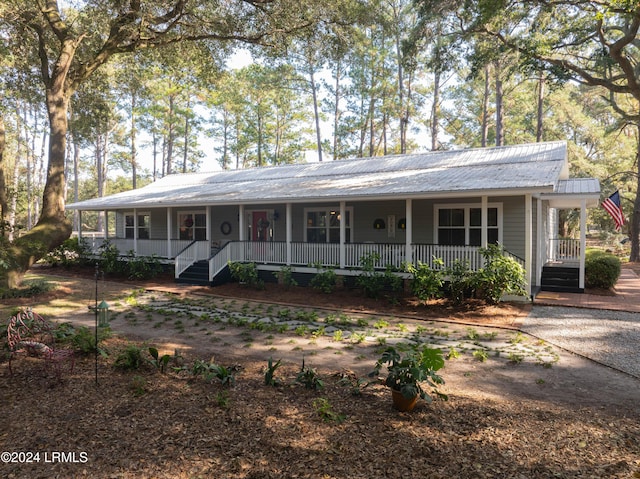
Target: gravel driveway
[{"x": 608, "y": 337}]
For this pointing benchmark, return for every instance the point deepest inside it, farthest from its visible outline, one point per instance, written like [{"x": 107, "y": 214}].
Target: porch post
[
  {"x": 288, "y": 216},
  {"x": 209, "y": 236},
  {"x": 169, "y": 228},
  {"x": 583, "y": 239},
  {"x": 106, "y": 224},
  {"x": 540, "y": 242},
  {"x": 484, "y": 221},
  {"x": 135, "y": 231},
  {"x": 408, "y": 231},
  {"x": 528, "y": 228},
  {"x": 241, "y": 223},
  {"x": 343, "y": 234}
]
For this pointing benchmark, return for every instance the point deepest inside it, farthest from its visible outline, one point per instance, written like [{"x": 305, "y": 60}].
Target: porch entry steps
[
  {"x": 196, "y": 274},
  {"x": 559, "y": 278}
]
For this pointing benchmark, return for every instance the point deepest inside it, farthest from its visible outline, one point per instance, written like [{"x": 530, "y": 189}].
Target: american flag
[{"x": 612, "y": 205}]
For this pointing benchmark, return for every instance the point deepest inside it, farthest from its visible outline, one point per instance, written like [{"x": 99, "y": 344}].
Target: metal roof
[{"x": 534, "y": 168}]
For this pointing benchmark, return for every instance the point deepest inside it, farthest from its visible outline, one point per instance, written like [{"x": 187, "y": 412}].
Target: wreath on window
[
  {"x": 188, "y": 222},
  {"x": 225, "y": 228},
  {"x": 379, "y": 224},
  {"x": 262, "y": 224}
]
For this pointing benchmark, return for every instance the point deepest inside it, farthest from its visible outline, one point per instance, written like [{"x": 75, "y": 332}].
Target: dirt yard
[{"x": 522, "y": 410}]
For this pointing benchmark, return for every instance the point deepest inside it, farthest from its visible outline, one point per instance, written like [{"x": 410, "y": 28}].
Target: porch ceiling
[{"x": 505, "y": 170}]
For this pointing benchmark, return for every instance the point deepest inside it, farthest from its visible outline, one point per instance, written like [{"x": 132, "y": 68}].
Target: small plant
[
  {"x": 427, "y": 281},
  {"x": 518, "y": 338},
  {"x": 515, "y": 358},
  {"x": 406, "y": 373},
  {"x": 453, "y": 353},
  {"x": 381, "y": 324},
  {"x": 138, "y": 385},
  {"x": 338, "y": 335},
  {"x": 325, "y": 279},
  {"x": 309, "y": 378},
  {"x": 285, "y": 276},
  {"x": 210, "y": 371},
  {"x": 222, "y": 399},
  {"x": 130, "y": 358},
  {"x": 480, "y": 355},
  {"x": 160, "y": 362},
  {"x": 246, "y": 273},
  {"x": 325, "y": 411},
  {"x": 373, "y": 282},
  {"x": 460, "y": 275},
  {"x": 269, "y": 374}
]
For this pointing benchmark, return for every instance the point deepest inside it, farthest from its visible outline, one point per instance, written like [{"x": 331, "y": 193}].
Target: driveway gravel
[{"x": 609, "y": 337}]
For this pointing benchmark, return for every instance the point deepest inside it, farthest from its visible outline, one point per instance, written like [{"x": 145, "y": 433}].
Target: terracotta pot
[{"x": 401, "y": 403}]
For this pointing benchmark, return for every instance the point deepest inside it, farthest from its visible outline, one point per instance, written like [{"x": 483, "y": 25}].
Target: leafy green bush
[
  {"x": 460, "y": 275},
  {"x": 500, "y": 275},
  {"x": 373, "y": 282},
  {"x": 73, "y": 251},
  {"x": 325, "y": 280},
  {"x": 427, "y": 282},
  {"x": 28, "y": 290},
  {"x": 130, "y": 358},
  {"x": 142, "y": 267},
  {"x": 601, "y": 269},
  {"x": 246, "y": 273},
  {"x": 285, "y": 276},
  {"x": 109, "y": 258}
]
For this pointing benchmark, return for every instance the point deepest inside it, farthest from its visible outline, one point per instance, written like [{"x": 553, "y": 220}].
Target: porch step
[
  {"x": 560, "y": 279},
  {"x": 197, "y": 274}
]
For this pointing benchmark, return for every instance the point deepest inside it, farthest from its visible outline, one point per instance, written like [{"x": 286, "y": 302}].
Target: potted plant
[{"x": 407, "y": 372}]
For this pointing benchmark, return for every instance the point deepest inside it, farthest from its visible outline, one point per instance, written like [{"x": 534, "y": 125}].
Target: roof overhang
[{"x": 572, "y": 192}]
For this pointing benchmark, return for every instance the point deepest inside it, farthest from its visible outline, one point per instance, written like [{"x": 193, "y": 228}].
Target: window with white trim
[
  {"x": 192, "y": 226},
  {"x": 462, "y": 224},
  {"x": 144, "y": 221},
  {"x": 322, "y": 225}
]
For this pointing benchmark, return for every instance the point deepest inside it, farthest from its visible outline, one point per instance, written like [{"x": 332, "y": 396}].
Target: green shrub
[
  {"x": 142, "y": 267},
  {"x": 373, "y": 282},
  {"x": 460, "y": 275},
  {"x": 109, "y": 258},
  {"x": 28, "y": 290},
  {"x": 601, "y": 269},
  {"x": 426, "y": 282},
  {"x": 285, "y": 276},
  {"x": 130, "y": 358},
  {"x": 246, "y": 273},
  {"x": 325, "y": 280},
  {"x": 73, "y": 251},
  {"x": 500, "y": 275}
]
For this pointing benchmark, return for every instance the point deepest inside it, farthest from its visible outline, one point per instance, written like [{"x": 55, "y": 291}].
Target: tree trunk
[
  {"x": 539, "y": 125},
  {"x": 499, "y": 109},
  {"x": 634, "y": 225},
  {"x": 485, "y": 109},
  {"x": 4, "y": 203},
  {"x": 435, "y": 110},
  {"x": 316, "y": 113}
]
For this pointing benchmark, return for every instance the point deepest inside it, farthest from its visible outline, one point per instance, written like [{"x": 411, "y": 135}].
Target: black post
[{"x": 95, "y": 310}]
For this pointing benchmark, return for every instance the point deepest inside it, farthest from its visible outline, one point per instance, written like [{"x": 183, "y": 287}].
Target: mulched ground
[{"x": 147, "y": 424}]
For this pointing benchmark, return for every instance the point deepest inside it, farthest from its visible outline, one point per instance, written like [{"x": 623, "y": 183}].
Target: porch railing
[
  {"x": 145, "y": 247},
  {"x": 563, "y": 249},
  {"x": 328, "y": 254},
  {"x": 196, "y": 251}
]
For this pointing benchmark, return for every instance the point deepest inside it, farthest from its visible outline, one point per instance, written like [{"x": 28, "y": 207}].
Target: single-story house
[{"x": 407, "y": 208}]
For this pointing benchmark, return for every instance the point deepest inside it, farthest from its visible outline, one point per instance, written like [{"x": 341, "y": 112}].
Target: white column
[
  {"x": 241, "y": 224},
  {"x": 484, "y": 222},
  {"x": 540, "y": 242},
  {"x": 408, "y": 231},
  {"x": 343, "y": 234},
  {"x": 106, "y": 224},
  {"x": 135, "y": 231},
  {"x": 289, "y": 226},
  {"x": 528, "y": 231},
  {"x": 583, "y": 239},
  {"x": 169, "y": 228},
  {"x": 209, "y": 236}
]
